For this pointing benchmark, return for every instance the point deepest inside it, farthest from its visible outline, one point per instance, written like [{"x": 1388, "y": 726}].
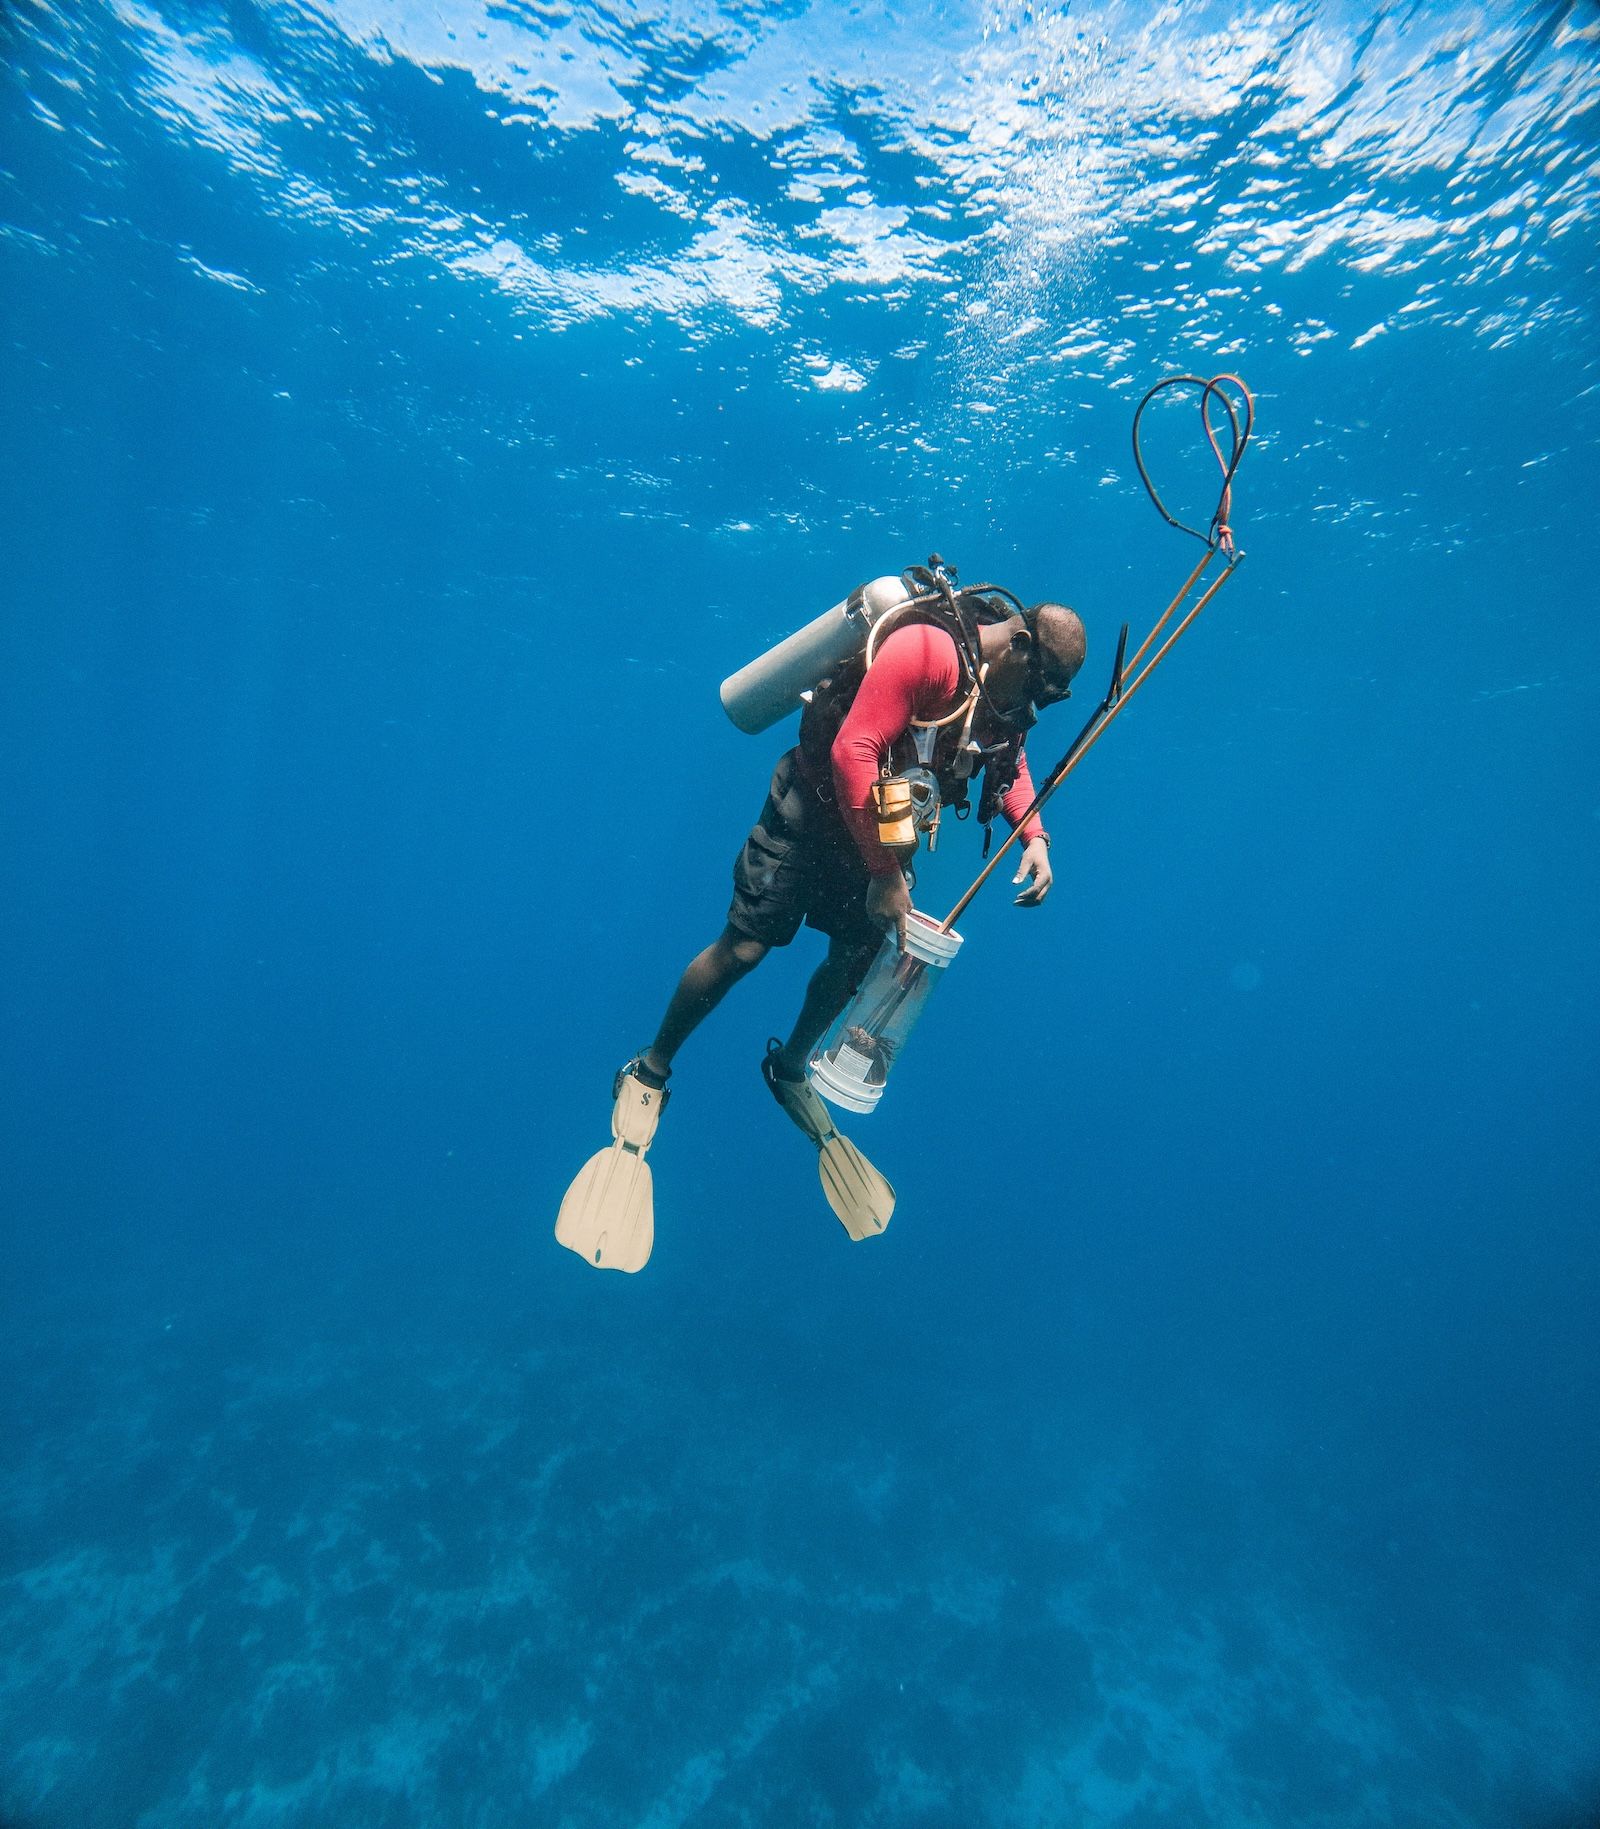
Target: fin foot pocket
[
  {"x": 608, "y": 1214},
  {"x": 861, "y": 1198}
]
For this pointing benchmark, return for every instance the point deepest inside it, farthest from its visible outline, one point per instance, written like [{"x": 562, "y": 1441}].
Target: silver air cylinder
[{"x": 770, "y": 687}]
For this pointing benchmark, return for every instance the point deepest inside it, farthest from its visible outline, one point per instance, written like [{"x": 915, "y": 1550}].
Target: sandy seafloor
[{"x": 406, "y": 1579}]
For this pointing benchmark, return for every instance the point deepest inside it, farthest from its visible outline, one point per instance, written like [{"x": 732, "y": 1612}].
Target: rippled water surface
[{"x": 411, "y": 412}]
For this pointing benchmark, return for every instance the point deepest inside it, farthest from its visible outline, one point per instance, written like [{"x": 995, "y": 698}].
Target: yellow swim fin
[
  {"x": 861, "y": 1198},
  {"x": 608, "y": 1215}
]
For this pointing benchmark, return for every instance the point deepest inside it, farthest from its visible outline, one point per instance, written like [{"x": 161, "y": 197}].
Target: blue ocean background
[{"x": 411, "y": 413}]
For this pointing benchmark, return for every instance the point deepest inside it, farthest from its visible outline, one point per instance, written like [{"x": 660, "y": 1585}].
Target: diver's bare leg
[
  {"x": 707, "y": 979},
  {"x": 832, "y": 985}
]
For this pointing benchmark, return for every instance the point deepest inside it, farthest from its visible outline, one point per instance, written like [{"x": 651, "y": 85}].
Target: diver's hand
[
  {"x": 889, "y": 902},
  {"x": 1035, "y": 864}
]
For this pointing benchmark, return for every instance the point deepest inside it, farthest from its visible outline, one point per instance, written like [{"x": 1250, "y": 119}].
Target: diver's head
[
  {"x": 1039, "y": 654},
  {"x": 1059, "y": 645}
]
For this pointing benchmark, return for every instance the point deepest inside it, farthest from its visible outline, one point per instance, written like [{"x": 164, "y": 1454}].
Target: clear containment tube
[{"x": 851, "y": 1065}]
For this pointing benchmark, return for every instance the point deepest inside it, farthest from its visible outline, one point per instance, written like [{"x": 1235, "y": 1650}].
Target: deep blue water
[{"x": 411, "y": 412}]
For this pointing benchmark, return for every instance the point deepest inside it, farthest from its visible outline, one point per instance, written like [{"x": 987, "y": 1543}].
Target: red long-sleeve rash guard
[{"x": 915, "y": 674}]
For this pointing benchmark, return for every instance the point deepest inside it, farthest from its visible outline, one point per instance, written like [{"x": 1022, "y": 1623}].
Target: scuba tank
[{"x": 775, "y": 683}]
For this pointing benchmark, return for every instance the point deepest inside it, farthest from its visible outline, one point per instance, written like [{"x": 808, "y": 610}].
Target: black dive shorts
[{"x": 800, "y": 864}]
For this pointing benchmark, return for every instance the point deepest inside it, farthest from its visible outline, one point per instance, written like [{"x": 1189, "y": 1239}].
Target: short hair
[{"x": 1061, "y": 632}]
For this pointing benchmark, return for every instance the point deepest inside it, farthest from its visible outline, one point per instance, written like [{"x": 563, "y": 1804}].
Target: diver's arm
[
  {"x": 1033, "y": 868},
  {"x": 1018, "y": 798},
  {"x": 914, "y": 675}
]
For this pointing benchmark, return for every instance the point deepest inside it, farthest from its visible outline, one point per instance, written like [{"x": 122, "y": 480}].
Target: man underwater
[{"x": 947, "y": 686}]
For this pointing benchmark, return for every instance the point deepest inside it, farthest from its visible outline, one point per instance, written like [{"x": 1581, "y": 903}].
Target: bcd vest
[{"x": 953, "y": 765}]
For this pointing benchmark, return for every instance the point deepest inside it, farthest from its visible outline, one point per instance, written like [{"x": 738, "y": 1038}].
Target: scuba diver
[
  {"x": 909, "y": 690},
  {"x": 944, "y": 688}
]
